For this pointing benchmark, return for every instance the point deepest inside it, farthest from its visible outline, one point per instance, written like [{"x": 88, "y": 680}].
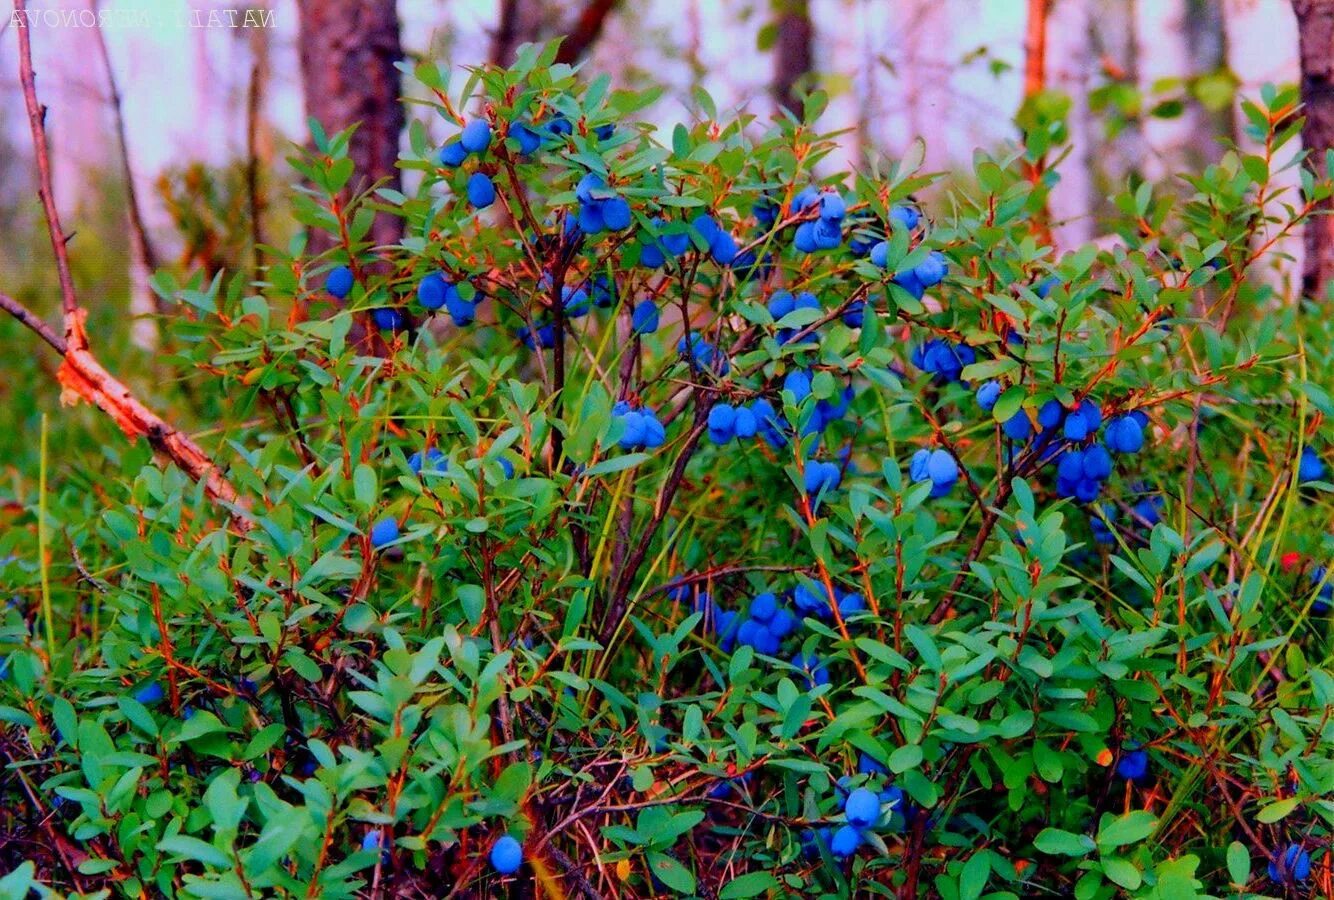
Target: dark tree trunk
[
  {"x": 585, "y": 31},
  {"x": 1315, "y": 31},
  {"x": 348, "y": 51},
  {"x": 792, "y": 52},
  {"x": 520, "y": 23},
  {"x": 527, "y": 21}
]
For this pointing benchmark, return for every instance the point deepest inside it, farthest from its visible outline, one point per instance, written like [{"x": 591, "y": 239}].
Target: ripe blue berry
[
  {"x": 149, "y": 694},
  {"x": 941, "y": 468},
  {"x": 880, "y": 255},
  {"x": 723, "y": 248},
  {"x": 616, "y": 214},
  {"x": 506, "y": 855},
  {"x": 388, "y": 318},
  {"x": 821, "y": 477},
  {"x": 832, "y": 206},
  {"x": 527, "y": 138},
  {"x": 453, "y": 154},
  {"x": 905, "y": 217},
  {"x": 798, "y": 384},
  {"x": 763, "y": 607},
  {"x": 804, "y": 238},
  {"x": 862, "y": 808},
  {"x": 476, "y": 136},
  {"x": 1125, "y": 435},
  {"x": 988, "y": 394},
  {"x": 384, "y": 532},
  {"x": 1311, "y": 467},
  {"x": 722, "y": 423},
  {"x": 845, "y": 842},
  {"x": 745, "y": 424},
  {"x": 644, "y": 317},
  {"x": 481, "y": 191},
  {"x": 431, "y": 291},
  {"x": 339, "y": 281},
  {"x": 932, "y": 271}
]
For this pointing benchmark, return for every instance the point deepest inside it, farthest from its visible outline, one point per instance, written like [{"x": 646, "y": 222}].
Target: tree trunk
[
  {"x": 792, "y": 52},
  {"x": 348, "y": 50},
  {"x": 520, "y": 23},
  {"x": 1315, "y": 30}
]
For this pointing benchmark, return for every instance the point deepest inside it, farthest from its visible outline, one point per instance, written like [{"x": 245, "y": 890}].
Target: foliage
[{"x": 478, "y": 594}]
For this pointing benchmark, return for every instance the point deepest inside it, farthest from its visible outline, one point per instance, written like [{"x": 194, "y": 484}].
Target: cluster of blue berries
[
  {"x": 766, "y": 624},
  {"x": 600, "y": 207},
  {"x": 784, "y": 302},
  {"x": 435, "y": 291},
  {"x": 1134, "y": 762},
  {"x": 642, "y": 430},
  {"x": 727, "y": 422},
  {"x": 814, "y": 603},
  {"x": 474, "y": 139},
  {"x": 722, "y": 246},
  {"x": 826, "y": 232},
  {"x": 862, "y": 810},
  {"x": 944, "y": 360},
  {"x": 1290, "y": 865},
  {"x": 921, "y": 277},
  {"x": 937, "y": 466},
  {"x": 665, "y": 241}
]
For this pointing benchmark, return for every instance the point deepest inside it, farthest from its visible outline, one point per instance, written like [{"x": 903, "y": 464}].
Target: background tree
[
  {"x": 792, "y": 51},
  {"x": 348, "y": 49},
  {"x": 1315, "y": 30}
]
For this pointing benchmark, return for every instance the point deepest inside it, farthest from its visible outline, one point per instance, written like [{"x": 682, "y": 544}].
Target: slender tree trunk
[
  {"x": 1315, "y": 30},
  {"x": 792, "y": 53},
  {"x": 348, "y": 51},
  {"x": 257, "y": 142},
  {"x": 1035, "y": 82},
  {"x": 585, "y": 31},
  {"x": 520, "y": 23}
]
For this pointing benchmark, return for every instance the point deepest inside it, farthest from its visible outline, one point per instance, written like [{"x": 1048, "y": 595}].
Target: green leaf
[
  {"x": 1122, "y": 872},
  {"x": 1133, "y": 826},
  {"x": 194, "y": 848},
  {"x": 749, "y": 885},
  {"x": 1063, "y": 843},
  {"x": 1275, "y": 811},
  {"x": 671, "y": 873},
  {"x": 1238, "y": 863},
  {"x": 976, "y": 872}
]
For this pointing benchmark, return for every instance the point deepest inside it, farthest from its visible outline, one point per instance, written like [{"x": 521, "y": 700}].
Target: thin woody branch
[{"x": 81, "y": 375}]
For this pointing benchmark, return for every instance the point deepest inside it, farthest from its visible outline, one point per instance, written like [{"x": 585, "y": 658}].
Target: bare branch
[
  {"x": 33, "y": 322},
  {"x": 81, "y": 375},
  {"x": 36, "y": 117}
]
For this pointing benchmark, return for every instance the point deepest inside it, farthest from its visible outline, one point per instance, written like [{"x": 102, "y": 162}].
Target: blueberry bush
[{"x": 680, "y": 518}]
